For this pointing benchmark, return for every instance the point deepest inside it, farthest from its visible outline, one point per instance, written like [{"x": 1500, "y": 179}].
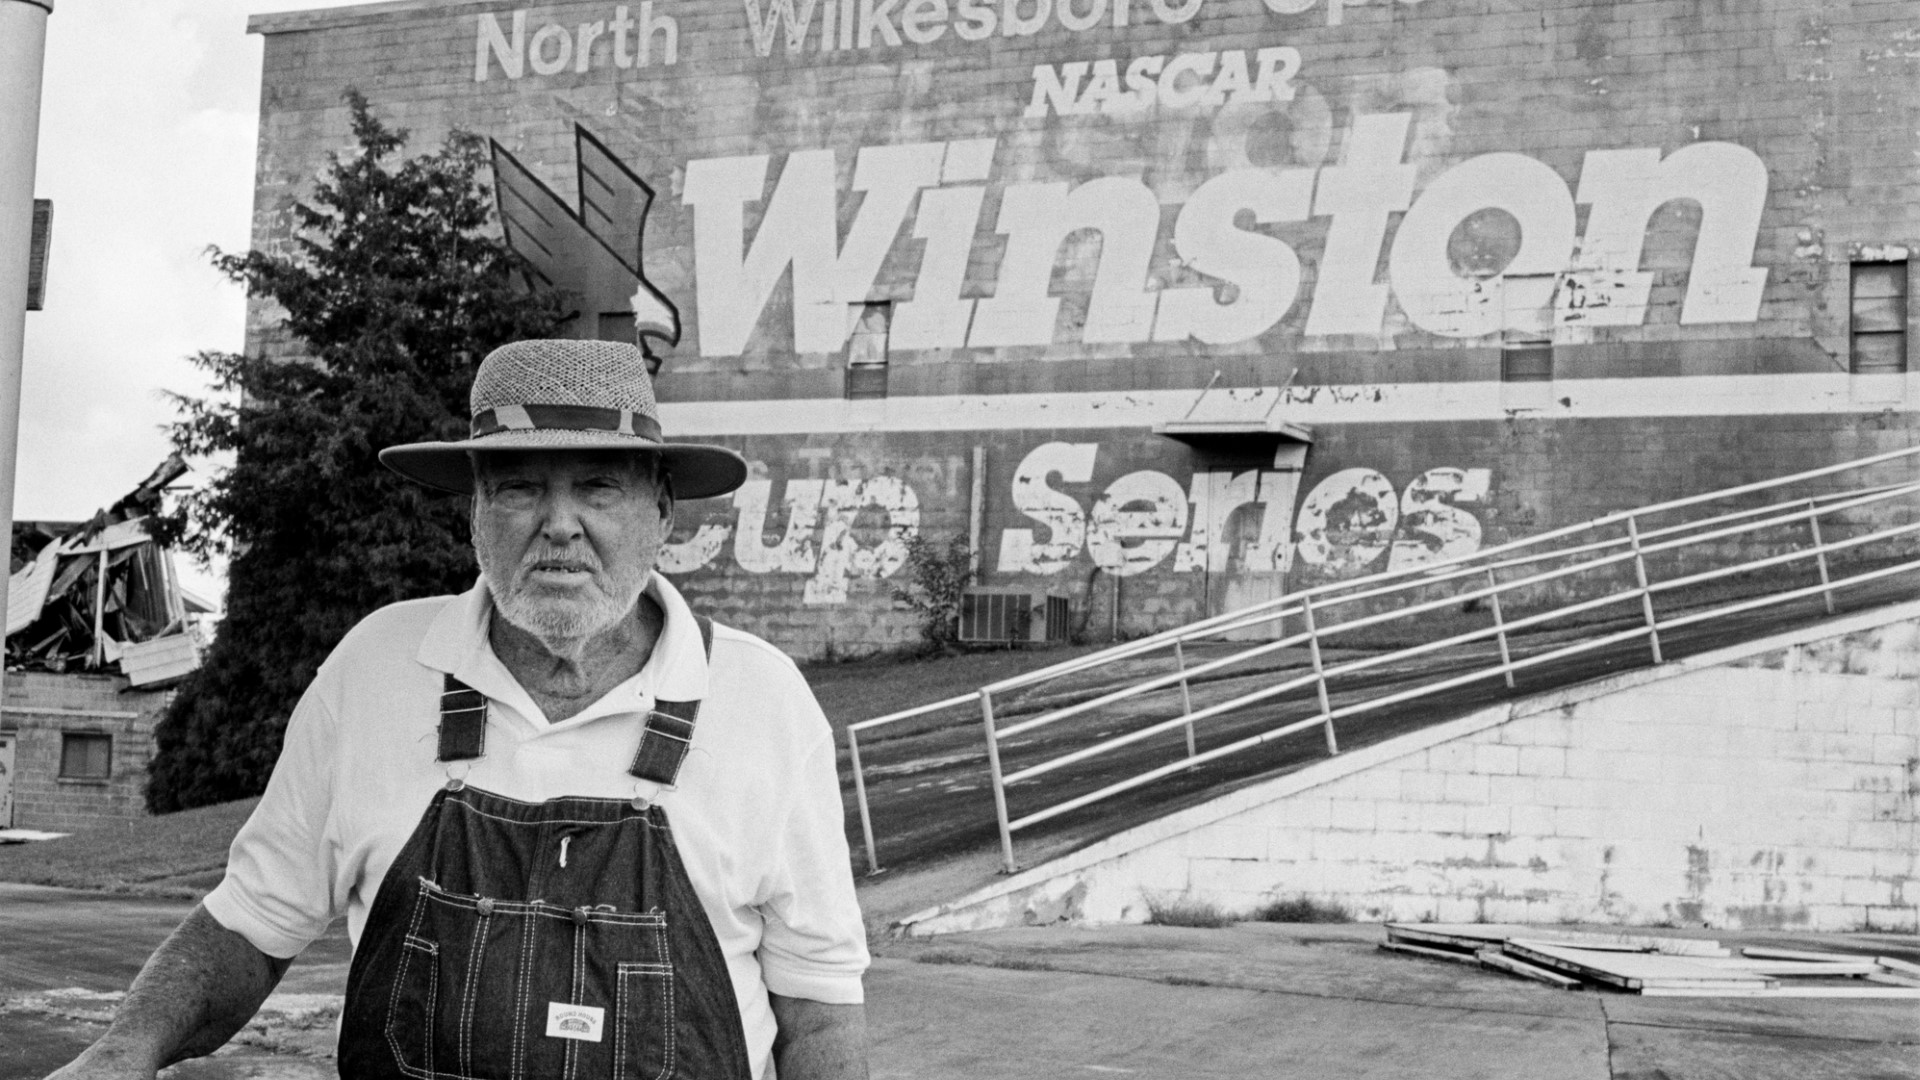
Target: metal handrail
[{"x": 1312, "y": 603}]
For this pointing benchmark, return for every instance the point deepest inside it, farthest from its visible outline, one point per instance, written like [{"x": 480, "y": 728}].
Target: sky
[{"x": 148, "y": 122}]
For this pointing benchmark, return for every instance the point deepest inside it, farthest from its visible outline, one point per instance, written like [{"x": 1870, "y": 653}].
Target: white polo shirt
[{"x": 756, "y": 813}]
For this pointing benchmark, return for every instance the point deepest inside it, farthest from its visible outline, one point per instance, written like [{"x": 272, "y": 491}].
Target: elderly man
[{"x": 576, "y": 831}]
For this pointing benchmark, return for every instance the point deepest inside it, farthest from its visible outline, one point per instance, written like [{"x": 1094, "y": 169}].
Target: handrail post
[
  {"x": 1186, "y": 696},
  {"x": 1646, "y": 593},
  {"x": 1820, "y": 555},
  {"x": 860, "y": 795},
  {"x": 999, "y": 786},
  {"x": 1500, "y": 627},
  {"x": 1319, "y": 673}
]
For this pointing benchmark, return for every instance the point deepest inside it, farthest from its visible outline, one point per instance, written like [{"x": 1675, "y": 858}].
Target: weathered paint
[
  {"x": 1082, "y": 211},
  {"x": 1767, "y": 785}
]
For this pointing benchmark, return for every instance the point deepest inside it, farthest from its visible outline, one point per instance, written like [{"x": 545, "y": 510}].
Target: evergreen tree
[{"x": 395, "y": 287}]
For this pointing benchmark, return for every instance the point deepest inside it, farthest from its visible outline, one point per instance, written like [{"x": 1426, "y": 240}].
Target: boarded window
[
  {"x": 867, "y": 351},
  {"x": 1878, "y": 317},
  {"x": 616, "y": 326},
  {"x": 85, "y": 756},
  {"x": 1526, "y": 336},
  {"x": 1531, "y": 362}
]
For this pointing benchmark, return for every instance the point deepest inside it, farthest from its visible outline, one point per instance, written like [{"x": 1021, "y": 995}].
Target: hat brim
[{"x": 698, "y": 471}]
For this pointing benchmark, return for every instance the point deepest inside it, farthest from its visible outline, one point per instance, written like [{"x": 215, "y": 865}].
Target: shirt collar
[{"x": 456, "y": 644}]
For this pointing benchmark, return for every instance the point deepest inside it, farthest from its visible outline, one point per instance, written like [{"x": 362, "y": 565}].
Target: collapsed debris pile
[
  {"x": 1655, "y": 966},
  {"x": 103, "y": 594}
]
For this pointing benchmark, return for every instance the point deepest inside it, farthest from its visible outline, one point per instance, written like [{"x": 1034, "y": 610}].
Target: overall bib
[{"x": 542, "y": 941}]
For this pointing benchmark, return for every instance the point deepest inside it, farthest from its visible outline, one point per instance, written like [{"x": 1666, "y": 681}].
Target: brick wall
[
  {"x": 1533, "y": 475},
  {"x": 1702, "y": 383},
  {"x": 40, "y": 709},
  {"x": 1767, "y": 786}
]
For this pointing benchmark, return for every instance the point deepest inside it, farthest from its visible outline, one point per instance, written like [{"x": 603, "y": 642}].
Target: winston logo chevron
[{"x": 591, "y": 252}]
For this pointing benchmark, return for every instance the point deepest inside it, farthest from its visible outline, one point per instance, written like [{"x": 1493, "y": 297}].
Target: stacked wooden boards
[{"x": 1655, "y": 966}]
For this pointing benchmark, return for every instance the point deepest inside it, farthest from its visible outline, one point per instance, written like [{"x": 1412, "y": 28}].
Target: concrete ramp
[{"x": 1769, "y": 784}]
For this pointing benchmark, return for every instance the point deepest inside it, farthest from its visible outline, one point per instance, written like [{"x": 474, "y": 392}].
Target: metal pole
[
  {"x": 1319, "y": 672},
  {"x": 1820, "y": 554},
  {"x": 999, "y": 786},
  {"x": 99, "y": 607},
  {"x": 1186, "y": 696},
  {"x": 1500, "y": 628},
  {"x": 23, "y": 47},
  {"x": 860, "y": 795},
  {"x": 1646, "y": 594}
]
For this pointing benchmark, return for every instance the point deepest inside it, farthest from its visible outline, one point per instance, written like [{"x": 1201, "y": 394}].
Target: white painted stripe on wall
[{"x": 1383, "y": 403}]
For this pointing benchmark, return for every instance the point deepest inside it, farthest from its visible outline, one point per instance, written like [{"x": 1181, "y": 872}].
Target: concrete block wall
[
  {"x": 1775, "y": 785},
  {"x": 39, "y": 708}
]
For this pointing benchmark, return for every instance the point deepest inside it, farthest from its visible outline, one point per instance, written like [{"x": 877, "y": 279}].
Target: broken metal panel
[
  {"x": 27, "y": 589},
  {"x": 87, "y": 597}
]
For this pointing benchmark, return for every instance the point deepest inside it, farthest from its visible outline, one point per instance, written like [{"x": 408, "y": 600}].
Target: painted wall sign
[
  {"x": 626, "y": 37},
  {"x": 848, "y": 25},
  {"x": 833, "y": 531},
  {"x": 1556, "y": 277},
  {"x": 1230, "y": 77},
  {"x": 621, "y": 42}
]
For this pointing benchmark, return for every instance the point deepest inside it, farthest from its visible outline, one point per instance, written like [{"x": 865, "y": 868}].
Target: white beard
[{"x": 555, "y": 621}]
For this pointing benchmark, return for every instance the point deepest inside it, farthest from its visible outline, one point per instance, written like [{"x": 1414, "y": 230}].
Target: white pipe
[
  {"x": 23, "y": 44},
  {"x": 977, "y": 511}
]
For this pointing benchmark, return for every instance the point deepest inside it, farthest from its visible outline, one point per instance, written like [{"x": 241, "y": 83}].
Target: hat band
[{"x": 564, "y": 418}]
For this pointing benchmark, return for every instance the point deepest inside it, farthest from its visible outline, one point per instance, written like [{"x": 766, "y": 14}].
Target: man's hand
[
  {"x": 818, "y": 1041},
  {"x": 200, "y": 986}
]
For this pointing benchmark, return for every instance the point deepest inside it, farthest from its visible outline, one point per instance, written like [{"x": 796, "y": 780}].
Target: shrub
[
  {"x": 394, "y": 285},
  {"x": 1186, "y": 911},
  {"x": 937, "y": 575},
  {"x": 1301, "y": 909}
]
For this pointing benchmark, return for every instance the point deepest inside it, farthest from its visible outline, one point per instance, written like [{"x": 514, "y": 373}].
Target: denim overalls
[{"x": 544, "y": 941}]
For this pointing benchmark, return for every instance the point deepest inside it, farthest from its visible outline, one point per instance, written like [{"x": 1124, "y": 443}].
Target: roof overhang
[
  {"x": 1235, "y": 418},
  {"x": 1234, "y": 432}
]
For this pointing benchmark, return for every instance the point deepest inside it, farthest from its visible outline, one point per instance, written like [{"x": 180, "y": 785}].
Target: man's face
[{"x": 566, "y": 538}]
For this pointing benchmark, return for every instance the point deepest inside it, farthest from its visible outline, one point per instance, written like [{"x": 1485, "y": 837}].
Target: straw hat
[{"x": 566, "y": 395}]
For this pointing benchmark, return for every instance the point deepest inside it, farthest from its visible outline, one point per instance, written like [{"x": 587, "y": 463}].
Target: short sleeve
[
  {"x": 814, "y": 943},
  {"x": 279, "y": 889}
]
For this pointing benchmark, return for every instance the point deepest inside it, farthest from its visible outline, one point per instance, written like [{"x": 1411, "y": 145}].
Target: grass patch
[
  {"x": 1186, "y": 911},
  {"x": 974, "y": 959},
  {"x": 1301, "y": 909},
  {"x": 172, "y": 855},
  {"x": 854, "y": 690}
]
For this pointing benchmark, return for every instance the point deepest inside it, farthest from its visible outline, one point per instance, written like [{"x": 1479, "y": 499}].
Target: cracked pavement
[{"x": 1314, "y": 1002}]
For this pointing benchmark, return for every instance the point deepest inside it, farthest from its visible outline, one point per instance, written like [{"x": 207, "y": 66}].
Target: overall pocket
[{"x": 493, "y": 989}]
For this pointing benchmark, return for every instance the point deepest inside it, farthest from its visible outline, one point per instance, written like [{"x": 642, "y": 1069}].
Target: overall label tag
[{"x": 581, "y": 1022}]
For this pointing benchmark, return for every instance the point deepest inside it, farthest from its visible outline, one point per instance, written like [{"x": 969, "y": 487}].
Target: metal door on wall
[
  {"x": 1247, "y": 580},
  {"x": 6, "y": 781}
]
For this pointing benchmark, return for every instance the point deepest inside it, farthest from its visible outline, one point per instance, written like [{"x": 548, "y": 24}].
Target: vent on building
[
  {"x": 1878, "y": 318},
  {"x": 1011, "y": 616}
]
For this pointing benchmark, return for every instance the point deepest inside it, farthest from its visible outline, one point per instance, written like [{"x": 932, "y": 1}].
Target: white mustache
[{"x": 559, "y": 562}]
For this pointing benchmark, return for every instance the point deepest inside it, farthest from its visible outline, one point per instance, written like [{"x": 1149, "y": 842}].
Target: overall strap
[
  {"x": 463, "y": 722},
  {"x": 669, "y": 728}
]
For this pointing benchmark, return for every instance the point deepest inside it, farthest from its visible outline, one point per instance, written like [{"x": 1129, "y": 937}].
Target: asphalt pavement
[{"x": 1315, "y": 1002}]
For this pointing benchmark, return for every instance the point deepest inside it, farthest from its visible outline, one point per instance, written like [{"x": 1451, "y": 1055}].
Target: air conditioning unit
[{"x": 1012, "y": 616}]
